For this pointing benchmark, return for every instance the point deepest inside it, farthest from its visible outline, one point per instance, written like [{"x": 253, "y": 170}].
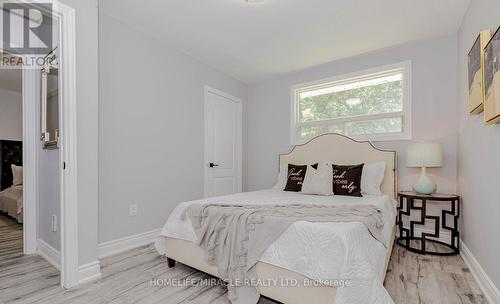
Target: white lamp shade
[{"x": 424, "y": 154}]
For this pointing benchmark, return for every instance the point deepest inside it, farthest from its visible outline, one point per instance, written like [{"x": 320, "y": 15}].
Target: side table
[{"x": 450, "y": 204}]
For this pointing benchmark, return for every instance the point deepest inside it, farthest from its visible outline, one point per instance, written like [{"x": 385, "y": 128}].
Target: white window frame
[{"x": 406, "y": 113}]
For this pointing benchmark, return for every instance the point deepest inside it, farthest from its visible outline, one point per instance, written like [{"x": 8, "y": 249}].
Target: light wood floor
[
  {"x": 411, "y": 278},
  {"x": 11, "y": 239}
]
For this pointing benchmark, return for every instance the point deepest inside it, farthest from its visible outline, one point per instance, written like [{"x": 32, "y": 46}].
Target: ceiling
[{"x": 254, "y": 42}]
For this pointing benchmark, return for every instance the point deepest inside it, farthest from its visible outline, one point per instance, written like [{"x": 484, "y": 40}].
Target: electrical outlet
[
  {"x": 54, "y": 223},
  {"x": 132, "y": 210}
]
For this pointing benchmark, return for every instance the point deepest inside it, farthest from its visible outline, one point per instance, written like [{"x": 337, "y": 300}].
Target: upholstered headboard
[{"x": 342, "y": 150}]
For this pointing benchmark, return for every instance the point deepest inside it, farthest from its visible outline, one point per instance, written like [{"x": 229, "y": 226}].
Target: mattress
[{"x": 323, "y": 251}]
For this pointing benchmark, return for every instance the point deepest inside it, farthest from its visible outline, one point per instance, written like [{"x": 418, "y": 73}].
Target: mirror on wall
[{"x": 50, "y": 101}]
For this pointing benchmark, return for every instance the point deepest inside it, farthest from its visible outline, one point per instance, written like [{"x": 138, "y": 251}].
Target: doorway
[
  {"x": 223, "y": 143},
  {"x": 11, "y": 163},
  {"x": 65, "y": 164},
  {"x": 29, "y": 166}
]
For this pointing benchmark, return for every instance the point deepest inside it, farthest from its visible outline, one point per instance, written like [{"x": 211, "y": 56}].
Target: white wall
[
  {"x": 151, "y": 128},
  {"x": 11, "y": 115},
  {"x": 434, "y": 110},
  {"x": 479, "y": 153}
]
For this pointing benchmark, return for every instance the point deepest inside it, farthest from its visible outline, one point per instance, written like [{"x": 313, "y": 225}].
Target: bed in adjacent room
[
  {"x": 11, "y": 202},
  {"x": 311, "y": 261},
  {"x": 11, "y": 179}
]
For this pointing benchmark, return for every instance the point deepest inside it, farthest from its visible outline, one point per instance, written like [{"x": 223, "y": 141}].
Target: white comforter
[{"x": 322, "y": 251}]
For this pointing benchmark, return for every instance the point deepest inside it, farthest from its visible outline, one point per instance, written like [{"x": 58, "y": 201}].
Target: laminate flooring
[{"x": 126, "y": 278}]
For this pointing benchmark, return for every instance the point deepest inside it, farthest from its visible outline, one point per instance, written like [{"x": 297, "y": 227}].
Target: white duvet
[{"x": 322, "y": 251}]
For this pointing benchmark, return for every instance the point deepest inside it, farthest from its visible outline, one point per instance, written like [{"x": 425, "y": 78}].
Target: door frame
[
  {"x": 239, "y": 103},
  {"x": 68, "y": 149},
  {"x": 31, "y": 143}
]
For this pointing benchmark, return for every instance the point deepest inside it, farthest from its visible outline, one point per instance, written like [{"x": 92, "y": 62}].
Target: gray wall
[
  {"x": 11, "y": 115},
  {"x": 49, "y": 202},
  {"x": 151, "y": 128},
  {"x": 434, "y": 110},
  {"x": 87, "y": 81},
  {"x": 479, "y": 153},
  {"x": 48, "y": 197}
]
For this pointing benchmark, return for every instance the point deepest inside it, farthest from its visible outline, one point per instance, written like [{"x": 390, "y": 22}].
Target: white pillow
[
  {"x": 372, "y": 177},
  {"x": 17, "y": 175},
  {"x": 282, "y": 177},
  {"x": 318, "y": 181}
]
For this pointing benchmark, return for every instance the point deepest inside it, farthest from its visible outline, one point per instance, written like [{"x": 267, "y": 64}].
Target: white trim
[
  {"x": 489, "y": 289},
  {"x": 407, "y": 105},
  {"x": 68, "y": 145},
  {"x": 31, "y": 150},
  {"x": 130, "y": 242},
  {"x": 89, "y": 272},
  {"x": 52, "y": 255},
  {"x": 239, "y": 102}
]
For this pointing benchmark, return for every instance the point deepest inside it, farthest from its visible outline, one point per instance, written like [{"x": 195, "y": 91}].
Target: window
[{"x": 371, "y": 105}]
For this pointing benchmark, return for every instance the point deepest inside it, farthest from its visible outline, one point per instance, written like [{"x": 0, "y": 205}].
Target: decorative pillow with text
[
  {"x": 347, "y": 180},
  {"x": 295, "y": 177}
]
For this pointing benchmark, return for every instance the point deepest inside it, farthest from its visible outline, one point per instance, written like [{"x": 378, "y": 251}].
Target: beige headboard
[{"x": 342, "y": 150}]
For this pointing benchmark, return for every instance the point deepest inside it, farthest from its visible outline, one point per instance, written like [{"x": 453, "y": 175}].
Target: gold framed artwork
[
  {"x": 475, "y": 66},
  {"x": 492, "y": 79}
]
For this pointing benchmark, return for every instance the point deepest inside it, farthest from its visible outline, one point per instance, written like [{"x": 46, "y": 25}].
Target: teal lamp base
[{"x": 424, "y": 185}]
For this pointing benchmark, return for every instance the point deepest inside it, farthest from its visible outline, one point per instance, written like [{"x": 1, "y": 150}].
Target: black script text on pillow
[
  {"x": 295, "y": 177},
  {"x": 347, "y": 180}
]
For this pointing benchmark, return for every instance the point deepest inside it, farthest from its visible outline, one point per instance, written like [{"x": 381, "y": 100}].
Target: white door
[{"x": 223, "y": 140}]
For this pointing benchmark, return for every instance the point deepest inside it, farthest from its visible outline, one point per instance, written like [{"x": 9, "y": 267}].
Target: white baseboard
[
  {"x": 89, "y": 272},
  {"x": 86, "y": 273},
  {"x": 52, "y": 255},
  {"x": 130, "y": 242},
  {"x": 489, "y": 289}
]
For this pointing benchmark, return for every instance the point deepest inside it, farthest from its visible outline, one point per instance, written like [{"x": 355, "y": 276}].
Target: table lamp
[{"x": 424, "y": 155}]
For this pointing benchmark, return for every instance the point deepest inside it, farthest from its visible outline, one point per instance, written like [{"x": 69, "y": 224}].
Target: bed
[
  {"x": 329, "y": 253},
  {"x": 11, "y": 202},
  {"x": 11, "y": 196}
]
